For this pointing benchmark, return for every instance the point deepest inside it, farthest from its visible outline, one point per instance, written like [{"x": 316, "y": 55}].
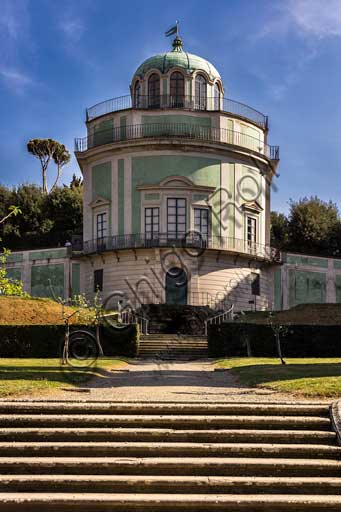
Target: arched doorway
[{"x": 176, "y": 286}]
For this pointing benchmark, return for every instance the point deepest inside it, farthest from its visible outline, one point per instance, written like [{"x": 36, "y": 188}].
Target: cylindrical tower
[{"x": 177, "y": 190}]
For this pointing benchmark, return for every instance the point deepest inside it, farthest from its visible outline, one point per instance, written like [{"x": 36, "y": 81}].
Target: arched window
[
  {"x": 216, "y": 98},
  {"x": 177, "y": 89},
  {"x": 200, "y": 92},
  {"x": 137, "y": 94},
  {"x": 154, "y": 91}
]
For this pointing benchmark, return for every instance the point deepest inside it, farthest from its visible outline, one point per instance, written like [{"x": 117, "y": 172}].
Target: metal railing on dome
[
  {"x": 166, "y": 101},
  {"x": 176, "y": 130}
]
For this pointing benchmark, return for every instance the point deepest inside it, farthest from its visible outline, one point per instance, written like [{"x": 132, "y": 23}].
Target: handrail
[
  {"x": 166, "y": 101},
  {"x": 177, "y": 130},
  {"x": 131, "y": 317},
  {"x": 219, "y": 319}
]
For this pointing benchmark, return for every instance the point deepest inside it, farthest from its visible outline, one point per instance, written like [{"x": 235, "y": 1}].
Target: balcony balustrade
[
  {"x": 165, "y": 101},
  {"x": 176, "y": 130},
  {"x": 195, "y": 243}
]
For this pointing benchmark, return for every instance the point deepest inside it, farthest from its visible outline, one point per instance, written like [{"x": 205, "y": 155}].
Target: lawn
[
  {"x": 314, "y": 377},
  {"x": 37, "y": 376}
]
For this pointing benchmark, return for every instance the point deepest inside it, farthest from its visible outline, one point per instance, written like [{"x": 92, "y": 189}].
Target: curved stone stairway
[{"x": 112, "y": 456}]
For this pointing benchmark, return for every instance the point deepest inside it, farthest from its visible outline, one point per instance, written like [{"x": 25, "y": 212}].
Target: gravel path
[{"x": 154, "y": 380}]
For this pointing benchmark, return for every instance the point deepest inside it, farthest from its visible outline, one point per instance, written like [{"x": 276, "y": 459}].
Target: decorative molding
[
  {"x": 252, "y": 206},
  {"x": 99, "y": 201}
]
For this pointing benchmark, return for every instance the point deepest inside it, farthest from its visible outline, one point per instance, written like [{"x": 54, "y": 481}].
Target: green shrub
[
  {"x": 230, "y": 340},
  {"x": 45, "y": 341}
]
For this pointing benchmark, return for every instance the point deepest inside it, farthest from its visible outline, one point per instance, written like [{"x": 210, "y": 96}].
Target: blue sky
[{"x": 281, "y": 57}]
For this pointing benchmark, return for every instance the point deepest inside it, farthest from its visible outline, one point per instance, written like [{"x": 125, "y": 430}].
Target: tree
[
  {"x": 61, "y": 157},
  {"x": 279, "y": 230},
  {"x": 45, "y": 150},
  {"x": 312, "y": 225},
  {"x": 9, "y": 286}
]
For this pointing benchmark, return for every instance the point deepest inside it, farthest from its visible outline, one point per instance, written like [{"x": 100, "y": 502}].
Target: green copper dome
[{"x": 177, "y": 58}]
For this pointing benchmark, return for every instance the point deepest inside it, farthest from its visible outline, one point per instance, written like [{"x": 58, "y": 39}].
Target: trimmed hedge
[
  {"x": 47, "y": 340},
  {"x": 232, "y": 339}
]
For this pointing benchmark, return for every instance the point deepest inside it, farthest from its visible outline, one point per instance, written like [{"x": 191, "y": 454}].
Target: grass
[
  {"x": 37, "y": 376},
  {"x": 313, "y": 377}
]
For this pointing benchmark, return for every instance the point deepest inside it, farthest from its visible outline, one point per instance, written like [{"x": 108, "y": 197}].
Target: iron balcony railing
[
  {"x": 194, "y": 242},
  {"x": 166, "y": 101},
  {"x": 177, "y": 130}
]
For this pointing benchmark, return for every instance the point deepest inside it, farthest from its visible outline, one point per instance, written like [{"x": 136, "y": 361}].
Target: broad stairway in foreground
[
  {"x": 133, "y": 456},
  {"x": 173, "y": 347}
]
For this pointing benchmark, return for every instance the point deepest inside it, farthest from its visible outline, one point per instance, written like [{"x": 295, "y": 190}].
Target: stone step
[
  {"x": 164, "y": 449},
  {"x": 173, "y": 408},
  {"x": 195, "y": 466},
  {"x": 168, "y": 435},
  {"x": 164, "y": 484},
  {"x": 167, "y": 420},
  {"x": 165, "y": 503},
  {"x": 66, "y": 502}
]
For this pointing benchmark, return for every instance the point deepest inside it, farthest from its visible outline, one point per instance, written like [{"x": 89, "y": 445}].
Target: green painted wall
[
  {"x": 277, "y": 289},
  {"x": 51, "y": 254},
  {"x": 337, "y": 264},
  {"x": 338, "y": 288},
  {"x": 307, "y": 260},
  {"x": 15, "y": 257},
  {"x": 120, "y": 193},
  {"x": 306, "y": 287},
  {"x": 150, "y": 170},
  {"x": 40, "y": 275},
  {"x": 177, "y": 118},
  {"x": 152, "y": 197},
  {"x": 200, "y": 197},
  {"x": 101, "y": 181},
  {"x": 103, "y": 133},
  {"x": 76, "y": 278},
  {"x": 229, "y": 200},
  {"x": 123, "y": 127},
  {"x": 13, "y": 273}
]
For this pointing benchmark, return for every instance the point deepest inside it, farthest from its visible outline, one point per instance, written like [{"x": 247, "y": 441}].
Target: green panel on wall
[
  {"x": 15, "y": 257},
  {"x": 337, "y": 264},
  {"x": 41, "y": 275},
  {"x": 103, "y": 133},
  {"x": 50, "y": 254},
  {"x": 101, "y": 181},
  {"x": 199, "y": 197},
  {"x": 168, "y": 124},
  {"x": 123, "y": 127},
  {"x": 151, "y": 170},
  {"x": 76, "y": 278},
  {"x": 307, "y": 260},
  {"x": 277, "y": 289},
  {"x": 177, "y": 119},
  {"x": 14, "y": 273},
  {"x": 151, "y": 197},
  {"x": 306, "y": 287},
  {"x": 338, "y": 288},
  {"x": 120, "y": 193}
]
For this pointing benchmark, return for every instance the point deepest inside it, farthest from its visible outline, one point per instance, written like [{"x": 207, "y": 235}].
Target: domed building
[{"x": 177, "y": 183}]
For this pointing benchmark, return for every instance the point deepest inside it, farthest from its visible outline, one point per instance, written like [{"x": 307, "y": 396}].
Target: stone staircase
[
  {"x": 173, "y": 347},
  {"x": 162, "y": 457}
]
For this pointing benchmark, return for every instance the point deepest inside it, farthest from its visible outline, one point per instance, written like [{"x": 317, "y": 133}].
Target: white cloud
[
  {"x": 320, "y": 18},
  {"x": 72, "y": 28},
  {"x": 16, "y": 80}
]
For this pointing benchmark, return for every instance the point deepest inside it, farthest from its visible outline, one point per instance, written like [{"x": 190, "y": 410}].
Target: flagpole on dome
[{"x": 177, "y": 43}]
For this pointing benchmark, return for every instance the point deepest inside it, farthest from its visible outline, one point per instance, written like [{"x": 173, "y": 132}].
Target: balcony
[
  {"x": 193, "y": 242},
  {"x": 176, "y": 130},
  {"x": 225, "y": 105}
]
